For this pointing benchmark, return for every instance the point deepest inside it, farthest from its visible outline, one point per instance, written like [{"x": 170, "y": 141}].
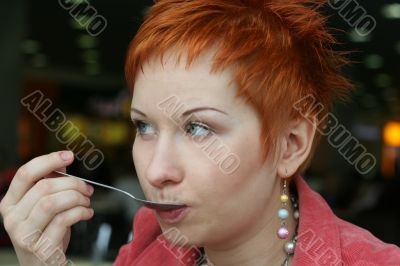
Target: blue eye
[
  {"x": 195, "y": 129},
  {"x": 198, "y": 129},
  {"x": 143, "y": 128}
]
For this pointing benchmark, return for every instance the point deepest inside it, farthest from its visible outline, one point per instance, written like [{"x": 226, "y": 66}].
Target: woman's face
[{"x": 210, "y": 160}]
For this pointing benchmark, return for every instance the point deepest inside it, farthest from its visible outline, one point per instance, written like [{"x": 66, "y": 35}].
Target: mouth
[{"x": 174, "y": 215}]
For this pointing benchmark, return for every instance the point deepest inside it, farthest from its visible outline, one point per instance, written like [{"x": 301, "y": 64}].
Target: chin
[{"x": 180, "y": 236}]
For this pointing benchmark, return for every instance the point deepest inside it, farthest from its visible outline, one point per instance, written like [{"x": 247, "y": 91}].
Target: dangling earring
[{"x": 283, "y": 213}]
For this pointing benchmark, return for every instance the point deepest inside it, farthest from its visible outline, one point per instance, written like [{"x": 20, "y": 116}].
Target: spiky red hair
[{"x": 280, "y": 50}]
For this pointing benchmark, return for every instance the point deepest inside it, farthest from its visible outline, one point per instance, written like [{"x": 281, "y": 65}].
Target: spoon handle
[
  {"x": 147, "y": 203},
  {"x": 96, "y": 183}
]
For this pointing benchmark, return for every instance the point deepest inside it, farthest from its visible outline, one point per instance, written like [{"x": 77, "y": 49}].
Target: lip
[{"x": 173, "y": 216}]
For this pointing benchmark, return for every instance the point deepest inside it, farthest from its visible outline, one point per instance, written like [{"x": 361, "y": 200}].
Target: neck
[{"x": 259, "y": 245}]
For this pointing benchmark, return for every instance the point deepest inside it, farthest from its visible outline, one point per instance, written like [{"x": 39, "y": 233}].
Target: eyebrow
[{"x": 187, "y": 112}]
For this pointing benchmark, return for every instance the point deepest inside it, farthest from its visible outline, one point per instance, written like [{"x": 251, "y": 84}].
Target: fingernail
[
  {"x": 66, "y": 155},
  {"x": 90, "y": 189}
]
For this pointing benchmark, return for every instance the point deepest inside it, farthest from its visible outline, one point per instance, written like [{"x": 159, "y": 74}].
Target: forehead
[{"x": 193, "y": 83}]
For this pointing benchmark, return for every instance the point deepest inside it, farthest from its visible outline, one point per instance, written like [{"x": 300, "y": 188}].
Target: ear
[{"x": 296, "y": 143}]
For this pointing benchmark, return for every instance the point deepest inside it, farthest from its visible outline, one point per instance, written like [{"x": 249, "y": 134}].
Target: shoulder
[
  {"x": 360, "y": 247},
  {"x": 325, "y": 239}
]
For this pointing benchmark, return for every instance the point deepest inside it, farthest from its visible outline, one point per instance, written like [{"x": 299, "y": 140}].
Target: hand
[{"x": 38, "y": 212}]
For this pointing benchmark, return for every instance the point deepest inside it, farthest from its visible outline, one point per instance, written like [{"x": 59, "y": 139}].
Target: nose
[{"x": 164, "y": 169}]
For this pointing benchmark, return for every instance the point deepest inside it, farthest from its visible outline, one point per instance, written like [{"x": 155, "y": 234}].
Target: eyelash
[{"x": 139, "y": 123}]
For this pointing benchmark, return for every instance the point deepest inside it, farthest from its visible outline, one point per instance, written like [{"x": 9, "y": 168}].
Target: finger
[
  {"x": 34, "y": 170},
  {"x": 40, "y": 242},
  {"x": 54, "y": 174},
  {"x": 48, "y": 207},
  {"x": 57, "y": 229},
  {"x": 48, "y": 186}
]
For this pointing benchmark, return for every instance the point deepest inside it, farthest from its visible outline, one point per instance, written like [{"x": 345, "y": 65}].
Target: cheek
[
  {"x": 250, "y": 182},
  {"x": 244, "y": 174},
  {"x": 231, "y": 203},
  {"x": 141, "y": 153}
]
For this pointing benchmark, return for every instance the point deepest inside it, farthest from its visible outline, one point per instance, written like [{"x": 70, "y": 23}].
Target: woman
[{"x": 224, "y": 97}]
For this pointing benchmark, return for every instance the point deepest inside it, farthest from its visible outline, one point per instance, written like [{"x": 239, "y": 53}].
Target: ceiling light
[
  {"x": 391, "y": 11},
  {"x": 391, "y": 133},
  {"x": 354, "y": 36}
]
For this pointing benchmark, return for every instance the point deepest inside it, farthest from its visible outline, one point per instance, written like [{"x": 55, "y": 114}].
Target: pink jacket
[{"x": 323, "y": 239}]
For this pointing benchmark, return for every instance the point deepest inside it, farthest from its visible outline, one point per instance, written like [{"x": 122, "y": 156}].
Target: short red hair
[{"x": 280, "y": 51}]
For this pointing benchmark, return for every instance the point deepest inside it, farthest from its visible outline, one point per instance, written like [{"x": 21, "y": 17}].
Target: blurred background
[{"x": 70, "y": 54}]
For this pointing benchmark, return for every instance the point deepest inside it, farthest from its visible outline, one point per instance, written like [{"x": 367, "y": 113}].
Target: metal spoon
[{"x": 147, "y": 203}]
